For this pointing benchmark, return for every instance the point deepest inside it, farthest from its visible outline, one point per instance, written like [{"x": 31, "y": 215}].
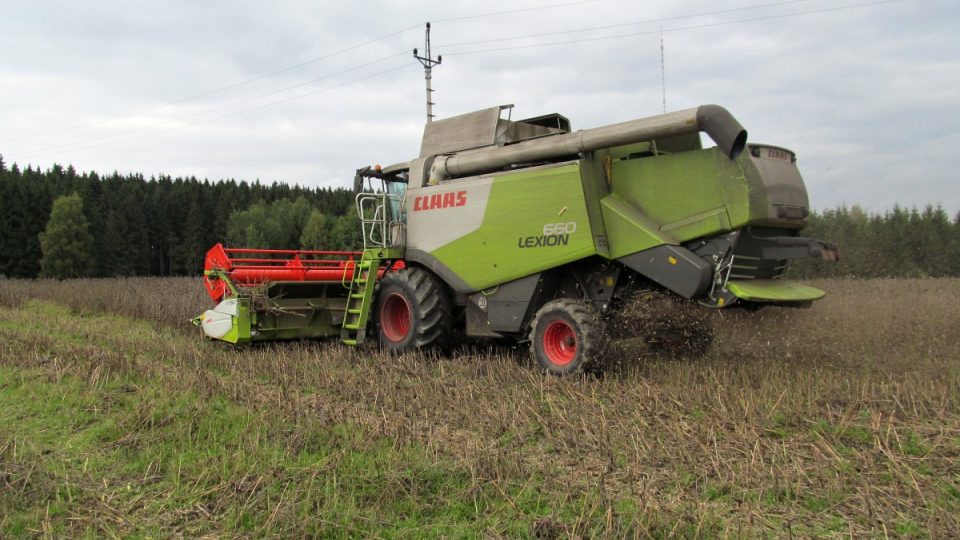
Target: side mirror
[{"x": 358, "y": 180}]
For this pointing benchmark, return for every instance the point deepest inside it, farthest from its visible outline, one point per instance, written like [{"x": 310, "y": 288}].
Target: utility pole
[{"x": 428, "y": 63}]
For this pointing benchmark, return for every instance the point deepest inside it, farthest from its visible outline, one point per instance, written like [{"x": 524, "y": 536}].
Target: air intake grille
[
  {"x": 747, "y": 267},
  {"x": 748, "y": 261}
]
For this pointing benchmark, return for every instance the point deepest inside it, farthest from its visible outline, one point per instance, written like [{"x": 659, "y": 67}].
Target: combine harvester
[{"x": 525, "y": 230}]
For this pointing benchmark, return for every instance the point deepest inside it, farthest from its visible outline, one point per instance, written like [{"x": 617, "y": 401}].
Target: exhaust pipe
[{"x": 713, "y": 120}]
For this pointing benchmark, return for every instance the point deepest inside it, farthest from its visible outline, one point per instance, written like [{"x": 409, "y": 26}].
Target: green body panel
[
  {"x": 240, "y": 330},
  {"x": 623, "y": 200},
  {"x": 689, "y": 195},
  {"x": 773, "y": 290},
  {"x": 594, "y": 174},
  {"x": 520, "y": 205},
  {"x": 628, "y": 229}
]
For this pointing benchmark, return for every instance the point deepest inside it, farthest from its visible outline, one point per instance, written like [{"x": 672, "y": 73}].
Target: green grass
[
  {"x": 116, "y": 419},
  {"x": 136, "y": 455},
  {"x": 85, "y": 456}
]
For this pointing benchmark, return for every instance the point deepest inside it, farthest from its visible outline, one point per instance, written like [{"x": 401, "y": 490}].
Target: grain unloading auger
[{"x": 525, "y": 230}]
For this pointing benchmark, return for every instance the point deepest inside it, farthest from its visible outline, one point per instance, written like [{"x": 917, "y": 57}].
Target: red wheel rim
[
  {"x": 560, "y": 343},
  {"x": 395, "y": 317}
]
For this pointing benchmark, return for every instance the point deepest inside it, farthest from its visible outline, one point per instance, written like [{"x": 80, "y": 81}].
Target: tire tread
[
  {"x": 429, "y": 302},
  {"x": 584, "y": 318}
]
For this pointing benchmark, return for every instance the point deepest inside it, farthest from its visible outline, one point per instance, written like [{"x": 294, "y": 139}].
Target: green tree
[
  {"x": 318, "y": 232},
  {"x": 277, "y": 225},
  {"x": 347, "y": 233},
  {"x": 24, "y": 209},
  {"x": 953, "y": 247},
  {"x": 66, "y": 242},
  {"x": 194, "y": 242}
]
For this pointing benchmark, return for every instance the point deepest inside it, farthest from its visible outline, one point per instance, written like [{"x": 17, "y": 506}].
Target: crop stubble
[{"x": 837, "y": 420}]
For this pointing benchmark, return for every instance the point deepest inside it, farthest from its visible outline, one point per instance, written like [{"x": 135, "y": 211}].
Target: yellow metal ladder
[{"x": 360, "y": 299}]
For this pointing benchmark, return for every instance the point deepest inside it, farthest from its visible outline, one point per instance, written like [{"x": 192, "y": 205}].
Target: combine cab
[{"x": 526, "y": 230}]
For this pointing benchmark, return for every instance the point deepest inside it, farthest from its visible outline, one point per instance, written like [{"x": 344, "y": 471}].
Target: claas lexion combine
[{"x": 526, "y": 230}]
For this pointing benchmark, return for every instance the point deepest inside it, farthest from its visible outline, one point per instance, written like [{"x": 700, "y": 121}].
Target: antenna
[
  {"x": 663, "y": 73},
  {"x": 428, "y": 63}
]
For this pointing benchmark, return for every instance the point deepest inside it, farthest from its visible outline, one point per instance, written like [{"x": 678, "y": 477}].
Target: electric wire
[
  {"x": 512, "y": 11},
  {"x": 635, "y": 23},
  {"x": 84, "y": 144},
  {"x": 676, "y": 29},
  {"x": 284, "y": 70},
  {"x": 212, "y": 109},
  {"x": 245, "y": 111},
  {"x": 215, "y": 90}
]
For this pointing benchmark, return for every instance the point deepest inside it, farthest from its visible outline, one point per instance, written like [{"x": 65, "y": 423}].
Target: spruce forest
[{"x": 163, "y": 226}]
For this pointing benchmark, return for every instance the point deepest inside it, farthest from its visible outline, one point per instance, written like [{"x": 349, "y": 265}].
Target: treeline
[
  {"x": 163, "y": 226},
  {"x": 898, "y": 243}
]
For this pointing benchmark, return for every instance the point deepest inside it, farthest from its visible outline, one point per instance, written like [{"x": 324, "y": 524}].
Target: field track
[{"x": 117, "y": 419}]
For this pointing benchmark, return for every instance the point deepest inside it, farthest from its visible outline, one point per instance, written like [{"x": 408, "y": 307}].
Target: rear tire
[
  {"x": 413, "y": 310},
  {"x": 564, "y": 338}
]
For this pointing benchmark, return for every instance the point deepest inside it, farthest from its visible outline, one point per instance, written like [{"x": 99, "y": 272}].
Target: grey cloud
[{"x": 864, "y": 96}]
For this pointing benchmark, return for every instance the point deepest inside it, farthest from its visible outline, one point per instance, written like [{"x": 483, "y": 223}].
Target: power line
[
  {"x": 73, "y": 146},
  {"x": 215, "y": 90},
  {"x": 512, "y": 11},
  {"x": 282, "y": 70},
  {"x": 635, "y": 23},
  {"x": 245, "y": 111},
  {"x": 677, "y": 29},
  {"x": 213, "y": 109}
]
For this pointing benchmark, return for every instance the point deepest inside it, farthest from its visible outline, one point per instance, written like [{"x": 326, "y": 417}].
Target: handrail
[{"x": 376, "y": 228}]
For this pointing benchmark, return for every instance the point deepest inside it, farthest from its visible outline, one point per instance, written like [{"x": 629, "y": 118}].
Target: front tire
[
  {"x": 413, "y": 310},
  {"x": 564, "y": 338}
]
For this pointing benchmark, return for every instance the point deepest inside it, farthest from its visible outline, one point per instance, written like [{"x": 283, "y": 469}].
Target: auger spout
[{"x": 713, "y": 120}]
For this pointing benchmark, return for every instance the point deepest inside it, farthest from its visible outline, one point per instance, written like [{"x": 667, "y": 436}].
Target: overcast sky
[{"x": 865, "y": 92}]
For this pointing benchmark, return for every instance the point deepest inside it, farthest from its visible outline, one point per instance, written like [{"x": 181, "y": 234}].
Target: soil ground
[{"x": 117, "y": 419}]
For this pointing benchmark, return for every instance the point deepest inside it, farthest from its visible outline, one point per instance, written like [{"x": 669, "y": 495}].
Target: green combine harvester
[{"x": 528, "y": 231}]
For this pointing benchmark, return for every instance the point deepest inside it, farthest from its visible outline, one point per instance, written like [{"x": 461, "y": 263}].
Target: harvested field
[{"x": 117, "y": 419}]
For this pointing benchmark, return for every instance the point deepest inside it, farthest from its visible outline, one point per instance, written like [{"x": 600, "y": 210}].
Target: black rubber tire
[
  {"x": 564, "y": 338},
  {"x": 428, "y": 318}
]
